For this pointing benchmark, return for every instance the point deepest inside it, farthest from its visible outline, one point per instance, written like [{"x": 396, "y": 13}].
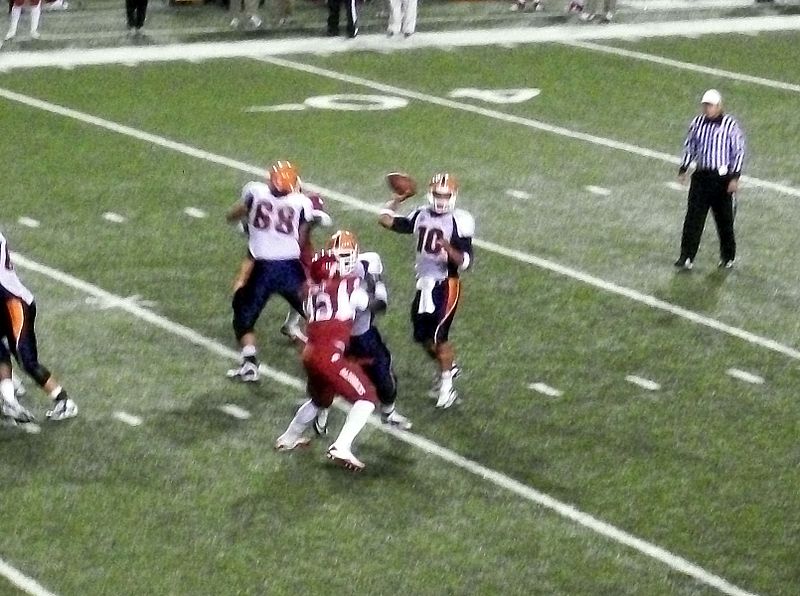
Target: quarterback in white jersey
[
  {"x": 18, "y": 337},
  {"x": 443, "y": 251},
  {"x": 278, "y": 218}
]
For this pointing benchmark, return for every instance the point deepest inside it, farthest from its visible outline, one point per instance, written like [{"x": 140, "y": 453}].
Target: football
[{"x": 401, "y": 184}]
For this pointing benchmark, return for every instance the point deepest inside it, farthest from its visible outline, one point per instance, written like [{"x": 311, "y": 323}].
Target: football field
[{"x": 623, "y": 429}]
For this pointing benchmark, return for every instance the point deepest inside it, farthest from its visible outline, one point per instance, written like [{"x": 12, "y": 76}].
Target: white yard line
[
  {"x": 675, "y": 185},
  {"x": 598, "y": 190},
  {"x": 22, "y": 581},
  {"x": 717, "y": 72},
  {"x": 235, "y": 411},
  {"x": 508, "y": 118},
  {"x": 545, "y": 389},
  {"x": 542, "y": 263},
  {"x": 28, "y": 222},
  {"x": 519, "y": 194},
  {"x": 195, "y": 212},
  {"x": 565, "y": 510},
  {"x": 743, "y": 375},
  {"x": 113, "y": 217},
  {"x": 643, "y": 383},
  {"x": 434, "y": 39},
  {"x": 128, "y": 419}
]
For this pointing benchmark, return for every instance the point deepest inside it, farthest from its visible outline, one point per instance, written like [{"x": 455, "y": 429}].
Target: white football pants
[{"x": 402, "y": 16}]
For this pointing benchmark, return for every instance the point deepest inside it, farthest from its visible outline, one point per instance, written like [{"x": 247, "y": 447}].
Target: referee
[{"x": 716, "y": 144}]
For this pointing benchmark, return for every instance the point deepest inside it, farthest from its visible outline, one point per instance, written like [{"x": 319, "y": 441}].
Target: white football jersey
[
  {"x": 369, "y": 269},
  {"x": 274, "y": 222},
  {"x": 457, "y": 227},
  {"x": 8, "y": 275}
]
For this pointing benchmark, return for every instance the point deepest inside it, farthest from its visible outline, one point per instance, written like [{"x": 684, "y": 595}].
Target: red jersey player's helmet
[
  {"x": 344, "y": 245},
  {"x": 324, "y": 266},
  {"x": 283, "y": 178}
]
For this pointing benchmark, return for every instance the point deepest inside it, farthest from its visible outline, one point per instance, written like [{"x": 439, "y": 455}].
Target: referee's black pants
[
  {"x": 334, "y": 9},
  {"x": 709, "y": 190},
  {"x": 137, "y": 12}
]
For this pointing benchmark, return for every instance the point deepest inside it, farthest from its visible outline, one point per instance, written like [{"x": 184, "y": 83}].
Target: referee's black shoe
[{"x": 684, "y": 264}]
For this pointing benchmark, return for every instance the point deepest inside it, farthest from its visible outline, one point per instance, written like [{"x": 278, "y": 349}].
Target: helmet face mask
[
  {"x": 344, "y": 246},
  {"x": 442, "y": 193}
]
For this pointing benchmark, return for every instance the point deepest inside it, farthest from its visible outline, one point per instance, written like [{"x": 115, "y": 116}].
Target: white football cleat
[
  {"x": 10, "y": 35},
  {"x": 247, "y": 373},
  {"x": 288, "y": 442},
  {"x": 396, "y": 420},
  {"x": 35, "y": 35},
  {"x": 344, "y": 458},
  {"x": 447, "y": 398},
  {"x": 62, "y": 409},
  {"x": 16, "y": 413}
]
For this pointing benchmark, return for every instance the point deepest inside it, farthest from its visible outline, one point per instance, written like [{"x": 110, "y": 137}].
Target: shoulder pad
[
  {"x": 465, "y": 223},
  {"x": 372, "y": 263}
]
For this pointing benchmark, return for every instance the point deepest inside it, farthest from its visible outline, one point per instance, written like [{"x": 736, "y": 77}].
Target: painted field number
[{"x": 496, "y": 95}]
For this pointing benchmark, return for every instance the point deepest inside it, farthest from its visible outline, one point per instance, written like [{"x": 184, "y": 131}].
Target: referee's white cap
[{"x": 712, "y": 96}]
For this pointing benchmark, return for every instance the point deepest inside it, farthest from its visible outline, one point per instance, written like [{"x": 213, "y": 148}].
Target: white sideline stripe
[
  {"x": 598, "y": 190},
  {"x": 519, "y": 194},
  {"x": 643, "y": 383},
  {"x": 22, "y": 581},
  {"x": 28, "y": 222},
  {"x": 113, "y": 217},
  {"x": 235, "y": 411},
  {"x": 717, "y": 72},
  {"x": 195, "y": 212},
  {"x": 743, "y": 375},
  {"x": 435, "y": 39},
  {"x": 509, "y": 118},
  {"x": 128, "y": 419},
  {"x": 567, "y": 511},
  {"x": 545, "y": 389},
  {"x": 517, "y": 255}
]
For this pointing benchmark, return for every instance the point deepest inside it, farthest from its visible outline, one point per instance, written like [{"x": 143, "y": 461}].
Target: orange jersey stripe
[{"x": 17, "y": 313}]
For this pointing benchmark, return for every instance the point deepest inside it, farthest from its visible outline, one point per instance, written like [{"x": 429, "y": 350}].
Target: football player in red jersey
[
  {"x": 333, "y": 298},
  {"x": 443, "y": 251}
]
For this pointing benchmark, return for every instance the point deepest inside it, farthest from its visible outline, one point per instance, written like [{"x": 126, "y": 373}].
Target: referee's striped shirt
[{"x": 715, "y": 144}]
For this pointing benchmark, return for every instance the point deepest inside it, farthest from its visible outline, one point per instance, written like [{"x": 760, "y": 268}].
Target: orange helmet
[
  {"x": 344, "y": 245},
  {"x": 442, "y": 192},
  {"x": 283, "y": 177}
]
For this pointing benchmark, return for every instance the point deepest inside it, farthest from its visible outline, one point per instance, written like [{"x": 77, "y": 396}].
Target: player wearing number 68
[
  {"x": 278, "y": 216},
  {"x": 443, "y": 251}
]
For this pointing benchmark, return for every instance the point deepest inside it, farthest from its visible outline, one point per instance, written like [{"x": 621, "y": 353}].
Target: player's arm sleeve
[
  {"x": 688, "y": 147},
  {"x": 379, "y": 297},
  {"x": 402, "y": 224},
  {"x": 462, "y": 238}
]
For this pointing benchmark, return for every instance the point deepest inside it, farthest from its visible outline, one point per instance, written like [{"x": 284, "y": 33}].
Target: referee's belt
[{"x": 722, "y": 171}]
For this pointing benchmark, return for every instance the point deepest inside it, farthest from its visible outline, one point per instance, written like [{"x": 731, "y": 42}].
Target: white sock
[
  {"x": 322, "y": 416},
  {"x": 292, "y": 319},
  {"x": 248, "y": 352},
  {"x": 305, "y": 414},
  {"x": 18, "y": 386},
  {"x": 56, "y": 392},
  {"x": 36, "y": 12},
  {"x": 447, "y": 382},
  {"x": 7, "y": 391},
  {"x": 356, "y": 419},
  {"x": 16, "y": 13}
]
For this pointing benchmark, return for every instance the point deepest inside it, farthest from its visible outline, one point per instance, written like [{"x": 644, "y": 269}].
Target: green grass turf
[{"x": 703, "y": 467}]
